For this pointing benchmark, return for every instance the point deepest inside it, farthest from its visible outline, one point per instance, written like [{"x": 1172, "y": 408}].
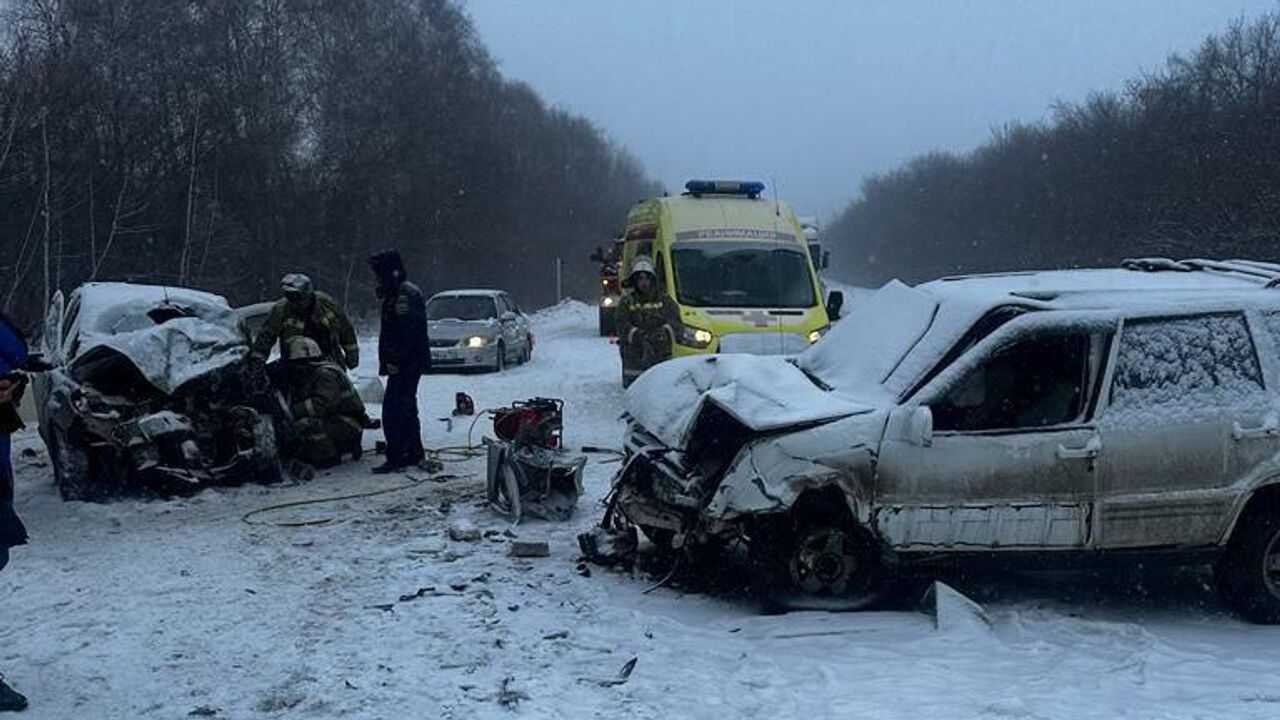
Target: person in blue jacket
[
  {"x": 13, "y": 356},
  {"x": 404, "y": 356}
]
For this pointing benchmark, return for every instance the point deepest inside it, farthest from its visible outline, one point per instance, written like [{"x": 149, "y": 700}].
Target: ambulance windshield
[{"x": 725, "y": 273}]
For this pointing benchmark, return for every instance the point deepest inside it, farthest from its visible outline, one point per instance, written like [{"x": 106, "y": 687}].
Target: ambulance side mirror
[{"x": 835, "y": 303}]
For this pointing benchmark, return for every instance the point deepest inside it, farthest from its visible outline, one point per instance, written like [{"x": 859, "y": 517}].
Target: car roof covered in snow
[
  {"x": 1094, "y": 288},
  {"x": 104, "y": 304},
  {"x": 171, "y": 335},
  {"x": 894, "y": 336},
  {"x": 469, "y": 292}
]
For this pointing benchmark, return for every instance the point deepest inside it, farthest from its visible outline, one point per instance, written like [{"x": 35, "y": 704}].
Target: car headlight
[
  {"x": 607, "y": 302},
  {"x": 476, "y": 341},
  {"x": 694, "y": 337},
  {"x": 816, "y": 335}
]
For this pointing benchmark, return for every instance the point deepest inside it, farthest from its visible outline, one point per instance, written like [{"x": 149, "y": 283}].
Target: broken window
[
  {"x": 1203, "y": 361},
  {"x": 1034, "y": 382}
]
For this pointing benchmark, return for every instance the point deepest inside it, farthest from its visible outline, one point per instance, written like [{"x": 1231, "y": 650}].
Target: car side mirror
[
  {"x": 835, "y": 302},
  {"x": 507, "y": 317},
  {"x": 919, "y": 429}
]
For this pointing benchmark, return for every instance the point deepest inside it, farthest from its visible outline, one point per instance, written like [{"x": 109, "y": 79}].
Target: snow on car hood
[
  {"x": 865, "y": 348},
  {"x": 461, "y": 329},
  {"x": 171, "y": 335},
  {"x": 761, "y": 392}
]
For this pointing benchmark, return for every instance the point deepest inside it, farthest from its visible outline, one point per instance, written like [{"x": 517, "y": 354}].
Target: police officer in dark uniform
[{"x": 404, "y": 356}]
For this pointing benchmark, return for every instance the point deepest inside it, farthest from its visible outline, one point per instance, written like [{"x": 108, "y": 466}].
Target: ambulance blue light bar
[{"x": 751, "y": 189}]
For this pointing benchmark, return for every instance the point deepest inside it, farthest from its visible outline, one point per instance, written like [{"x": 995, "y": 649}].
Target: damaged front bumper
[
  {"x": 165, "y": 448},
  {"x": 730, "y": 480},
  {"x": 102, "y": 444},
  {"x": 658, "y": 489}
]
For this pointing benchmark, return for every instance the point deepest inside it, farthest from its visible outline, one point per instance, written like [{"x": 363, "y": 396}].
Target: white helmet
[
  {"x": 642, "y": 264},
  {"x": 302, "y": 347}
]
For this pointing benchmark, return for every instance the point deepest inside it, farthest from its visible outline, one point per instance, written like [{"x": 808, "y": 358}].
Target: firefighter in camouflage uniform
[
  {"x": 328, "y": 415},
  {"x": 647, "y": 320},
  {"x": 304, "y": 312}
]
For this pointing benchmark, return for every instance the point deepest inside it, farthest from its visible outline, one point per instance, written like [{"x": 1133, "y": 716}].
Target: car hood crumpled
[
  {"x": 168, "y": 355},
  {"x": 763, "y": 393}
]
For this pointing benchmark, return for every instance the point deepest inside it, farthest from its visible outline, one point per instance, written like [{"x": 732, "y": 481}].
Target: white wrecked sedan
[
  {"x": 1054, "y": 416},
  {"x": 152, "y": 389}
]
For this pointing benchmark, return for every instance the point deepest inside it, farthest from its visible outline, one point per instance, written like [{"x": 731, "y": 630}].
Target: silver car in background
[{"x": 477, "y": 329}]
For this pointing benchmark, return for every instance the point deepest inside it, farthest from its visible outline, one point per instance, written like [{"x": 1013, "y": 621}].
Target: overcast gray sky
[{"x": 815, "y": 95}]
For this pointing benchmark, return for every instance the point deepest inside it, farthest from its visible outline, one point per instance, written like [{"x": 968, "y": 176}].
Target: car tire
[
  {"x": 825, "y": 559},
  {"x": 527, "y": 354},
  {"x": 80, "y": 475},
  {"x": 1248, "y": 574}
]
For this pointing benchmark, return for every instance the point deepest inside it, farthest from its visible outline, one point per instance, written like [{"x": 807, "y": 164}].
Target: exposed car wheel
[
  {"x": 1249, "y": 573},
  {"x": 73, "y": 468},
  {"x": 527, "y": 353},
  {"x": 829, "y": 561}
]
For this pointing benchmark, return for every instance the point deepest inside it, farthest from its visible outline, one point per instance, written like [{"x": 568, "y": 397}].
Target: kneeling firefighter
[
  {"x": 647, "y": 319},
  {"x": 328, "y": 417}
]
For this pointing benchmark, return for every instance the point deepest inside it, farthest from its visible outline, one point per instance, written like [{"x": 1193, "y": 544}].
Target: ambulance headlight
[
  {"x": 476, "y": 341},
  {"x": 694, "y": 337},
  {"x": 816, "y": 335}
]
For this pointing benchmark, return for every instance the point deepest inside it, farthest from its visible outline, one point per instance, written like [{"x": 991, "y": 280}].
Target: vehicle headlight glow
[
  {"x": 475, "y": 341},
  {"x": 816, "y": 335},
  {"x": 694, "y": 337},
  {"x": 607, "y": 302}
]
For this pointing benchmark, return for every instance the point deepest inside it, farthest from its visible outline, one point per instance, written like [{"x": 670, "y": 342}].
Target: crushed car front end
[
  {"x": 155, "y": 392},
  {"x": 731, "y": 442}
]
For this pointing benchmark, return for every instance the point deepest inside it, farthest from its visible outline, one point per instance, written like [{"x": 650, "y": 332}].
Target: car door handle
[
  {"x": 1268, "y": 429},
  {"x": 1088, "y": 451}
]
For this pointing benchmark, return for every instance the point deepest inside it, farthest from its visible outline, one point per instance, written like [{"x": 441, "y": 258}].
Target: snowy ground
[{"x": 178, "y": 609}]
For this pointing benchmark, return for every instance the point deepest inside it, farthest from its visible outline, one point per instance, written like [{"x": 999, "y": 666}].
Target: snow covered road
[{"x": 177, "y": 609}]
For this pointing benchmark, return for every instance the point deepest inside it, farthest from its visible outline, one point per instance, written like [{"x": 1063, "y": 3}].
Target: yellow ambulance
[{"x": 736, "y": 263}]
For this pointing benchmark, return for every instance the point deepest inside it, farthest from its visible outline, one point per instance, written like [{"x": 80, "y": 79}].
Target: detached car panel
[{"x": 152, "y": 390}]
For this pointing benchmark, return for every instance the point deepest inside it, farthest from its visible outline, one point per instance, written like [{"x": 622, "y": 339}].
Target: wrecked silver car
[
  {"x": 1052, "y": 417},
  {"x": 151, "y": 390}
]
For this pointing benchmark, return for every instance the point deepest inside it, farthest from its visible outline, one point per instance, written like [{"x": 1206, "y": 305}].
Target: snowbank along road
[{"x": 367, "y": 609}]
